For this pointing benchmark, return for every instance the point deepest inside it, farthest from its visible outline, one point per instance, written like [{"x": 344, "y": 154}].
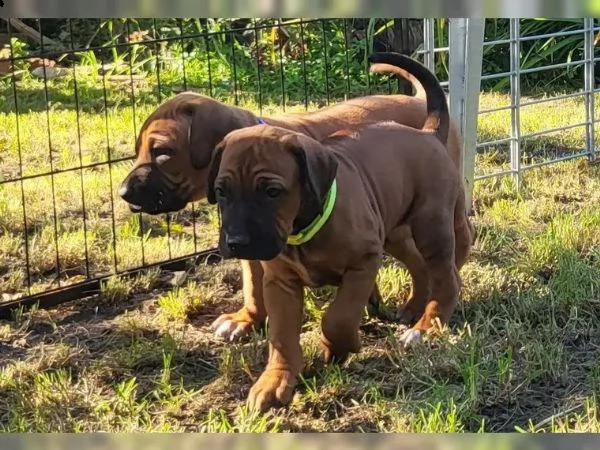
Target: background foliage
[{"x": 290, "y": 60}]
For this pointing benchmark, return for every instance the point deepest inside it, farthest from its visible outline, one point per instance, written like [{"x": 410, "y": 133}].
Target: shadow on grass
[
  {"x": 203, "y": 364},
  {"x": 523, "y": 345}
]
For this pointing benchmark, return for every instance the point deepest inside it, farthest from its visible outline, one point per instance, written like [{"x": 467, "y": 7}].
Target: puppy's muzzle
[
  {"x": 144, "y": 191},
  {"x": 247, "y": 233},
  {"x": 237, "y": 243},
  {"x": 129, "y": 195}
]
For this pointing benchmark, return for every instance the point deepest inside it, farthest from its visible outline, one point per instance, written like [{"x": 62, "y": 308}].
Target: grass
[{"x": 520, "y": 354}]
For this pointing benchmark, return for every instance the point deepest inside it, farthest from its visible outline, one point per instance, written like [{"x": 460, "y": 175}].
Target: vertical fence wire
[
  {"x": 182, "y": 43},
  {"x": 50, "y": 156},
  {"x": 346, "y": 59},
  {"x": 159, "y": 99},
  {"x": 388, "y": 47},
  {"x": 135, "y": 132},
  {"x": 589, "y": 86},
  {"x": 207, "y": 48},
  {"x": 277, "y": 30},
  {"x": 234, "y": 71},
  {"x": 429, "y": 43},
  {"x": 515, "y": 98},
  {"x": 257, "y": 45},
  {"x": 20, "y": 157},
  {"x": 183, "y": 54},
  {"x": 109, "y": 158},
  {"x": 303, "y": 55},
  {"x": 367, "y": 49},
  {"x": 325, "y": 59},
  {"x": 78, "y": 124}
]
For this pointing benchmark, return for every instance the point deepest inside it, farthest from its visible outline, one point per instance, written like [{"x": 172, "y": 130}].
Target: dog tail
[
  {"x": 401, "y": 71},
  {"x": 438, "y": 116}
]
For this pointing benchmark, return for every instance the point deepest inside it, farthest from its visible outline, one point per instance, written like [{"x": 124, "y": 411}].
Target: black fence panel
[{"x": 74, "y": 95}]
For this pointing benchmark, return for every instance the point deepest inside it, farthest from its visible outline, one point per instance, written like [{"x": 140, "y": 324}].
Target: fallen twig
[{"x": 558, "y": 415}]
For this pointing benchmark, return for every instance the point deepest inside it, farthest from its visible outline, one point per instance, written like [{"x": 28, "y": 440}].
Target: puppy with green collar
[{"x": 324, "y": 213}]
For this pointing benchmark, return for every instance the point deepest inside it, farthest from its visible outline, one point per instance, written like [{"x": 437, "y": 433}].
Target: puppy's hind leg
[
  {"x": 464, "y": 232},
  {"x": 401, "y": 245},
  {"x": 250, "y": 316},
  {"x": 374, "y": 304},
  {"x": 434, "y": 236}
]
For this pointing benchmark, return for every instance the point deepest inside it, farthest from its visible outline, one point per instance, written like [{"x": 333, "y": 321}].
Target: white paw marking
[
  {"x": 228, "y": 330},
  {"x": 225, "y": 329},
  {"x": 237, "y": 332},
  {"x": 402, "y": 328},
  {"x": 410, "y": 337}
]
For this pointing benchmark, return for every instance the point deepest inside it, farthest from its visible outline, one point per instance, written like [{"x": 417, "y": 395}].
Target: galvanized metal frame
[
  {"x": 466, "y": 52},
  {"x": 517, "y": 168},
  {"x": 429, "y": 42},
  {"x": 589, "y": 86},
  {"x": 515, "y": 98}
]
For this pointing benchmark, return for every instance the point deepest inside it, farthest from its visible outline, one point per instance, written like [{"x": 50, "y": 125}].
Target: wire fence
[
  {"x": 74, "y": 94},
  {"x": 526, "y": 146}
]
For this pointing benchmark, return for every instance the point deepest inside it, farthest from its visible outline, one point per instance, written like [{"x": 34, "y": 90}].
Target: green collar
[{"x": 313, "y": 228}]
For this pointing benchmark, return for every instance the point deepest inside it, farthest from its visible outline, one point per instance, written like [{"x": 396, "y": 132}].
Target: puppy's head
[
  {"x": 268, "y": 183},
  {"x": 173, "y": 151}
]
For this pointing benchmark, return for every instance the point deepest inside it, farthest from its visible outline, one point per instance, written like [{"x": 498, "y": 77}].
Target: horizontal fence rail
[
  {"x": 75, "y": 93},
  {"x": 574, "y": 58}
]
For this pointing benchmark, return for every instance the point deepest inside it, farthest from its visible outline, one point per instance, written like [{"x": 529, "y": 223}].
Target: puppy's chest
[{"x": 315, "y": 270}]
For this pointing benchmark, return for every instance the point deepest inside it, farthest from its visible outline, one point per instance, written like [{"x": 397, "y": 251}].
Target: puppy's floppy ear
[
  {"x": 318, "y": 166},
  {"x": 208, "y": 121},
  {"x": 213, "y": 171},
  {"x": 200, "y": 152}
]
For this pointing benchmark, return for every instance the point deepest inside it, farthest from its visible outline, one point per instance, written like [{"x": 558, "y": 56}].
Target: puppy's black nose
[
  {"x": 128, "y": 192},
  {"x": 237, "y": 241},
  {"x": 123, "y": 191}
]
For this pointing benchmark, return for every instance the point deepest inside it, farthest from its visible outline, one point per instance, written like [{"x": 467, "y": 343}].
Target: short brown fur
[
  {"x": 385, "y": 203},
  {"x": 191, "y": 125}
]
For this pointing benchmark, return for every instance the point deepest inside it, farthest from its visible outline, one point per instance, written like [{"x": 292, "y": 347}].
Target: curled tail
[
  {"x": 438, "y": 117},
  {"x": 389, "y": 68}
]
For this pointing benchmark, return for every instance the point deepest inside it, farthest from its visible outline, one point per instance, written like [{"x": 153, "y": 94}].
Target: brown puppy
[
  {"x": 176, "y": 142},
  {"x": 272, "y": 185}
]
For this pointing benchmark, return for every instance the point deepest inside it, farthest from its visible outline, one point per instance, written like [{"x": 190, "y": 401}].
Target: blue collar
[{"x": 260, "y": 121}]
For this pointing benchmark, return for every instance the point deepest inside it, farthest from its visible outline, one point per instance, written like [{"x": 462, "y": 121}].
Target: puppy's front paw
[
  {"x": 234, "y": 326},
  {"x": 410, "y": 313},
  {"x": 411, "y": 337},
  {"x": 275, "y": 387},
  {"x": 337, "y": 352},
  {"x": 406, "y": 317}
]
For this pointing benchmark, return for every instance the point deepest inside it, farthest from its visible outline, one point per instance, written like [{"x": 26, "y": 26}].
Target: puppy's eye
[
  {"x": 219, "y": 192},
  {"x": 161, "y": 154},
  {"x": 273, "y": 191}
]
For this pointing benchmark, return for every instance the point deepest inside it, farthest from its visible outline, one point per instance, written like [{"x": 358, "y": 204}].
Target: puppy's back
[
  {"x": 396, "y": 165},
  {"x": 398, "y": 145}
]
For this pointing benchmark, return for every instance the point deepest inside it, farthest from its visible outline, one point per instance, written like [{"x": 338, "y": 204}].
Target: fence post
[
  {"x": 466, "y": 54},
  {"x": 589, "y": 87}
]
